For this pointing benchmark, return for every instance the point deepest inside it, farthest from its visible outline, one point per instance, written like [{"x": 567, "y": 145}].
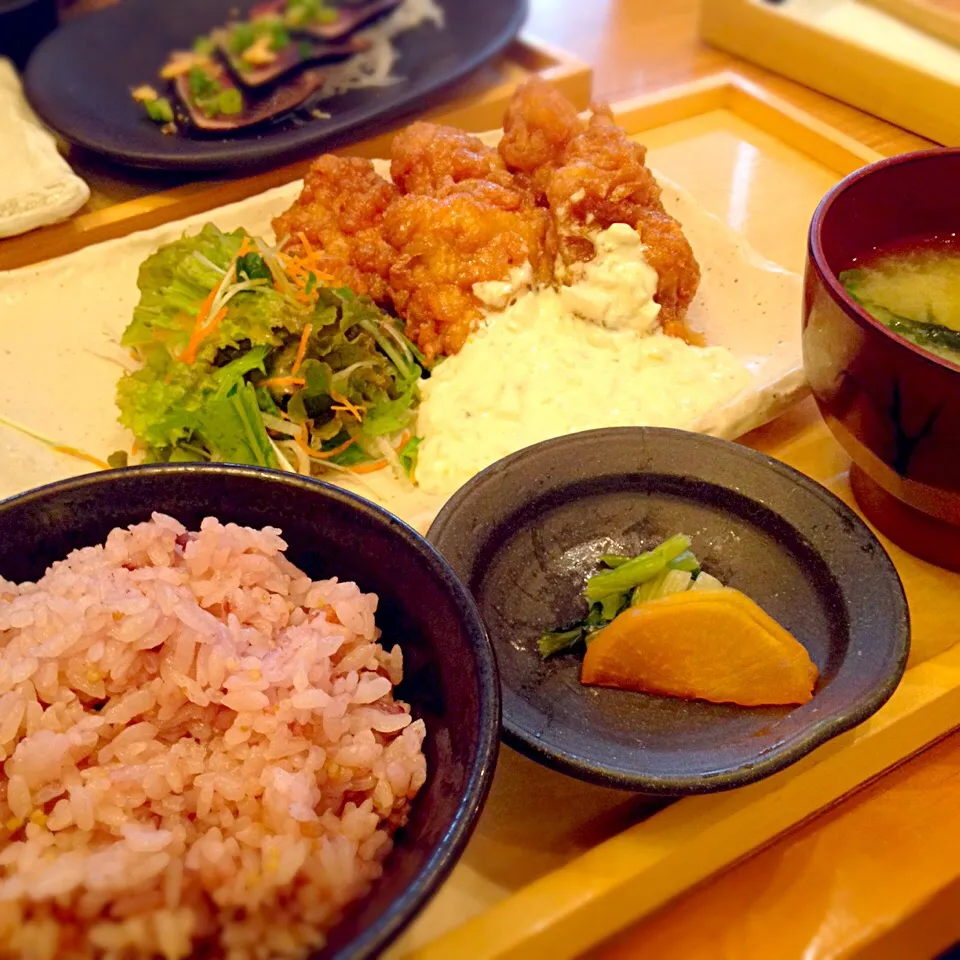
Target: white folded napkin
[{"x": 37, "y": 186}]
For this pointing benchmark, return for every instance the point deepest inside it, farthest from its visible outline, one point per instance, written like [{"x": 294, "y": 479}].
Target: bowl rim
[
  {"x": 820, "y": 731},
  {"x": 401, "y": 912},
  {"x": 828, "y": 276}
]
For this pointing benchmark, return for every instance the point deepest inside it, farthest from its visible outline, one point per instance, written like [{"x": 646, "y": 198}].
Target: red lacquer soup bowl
[{"x": 893, "y": 406}]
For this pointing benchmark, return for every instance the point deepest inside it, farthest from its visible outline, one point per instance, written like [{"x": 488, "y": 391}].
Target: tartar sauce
[
  {"x": 616, "y": 288},
  {"x": 540, "y": 370}
]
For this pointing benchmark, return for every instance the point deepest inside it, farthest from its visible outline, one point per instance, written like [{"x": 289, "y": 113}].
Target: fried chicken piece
[
  {"x": 603, "y": 179},
  {"x": 461, "y": 213},
  {"x": 339, "y": 213},
  {"x": 591, "y": 176},
  {"x": 669, "y": 253},
  {"x": 444, "y": 245},
  {"x": 431, "y": 159},
  {"x": 539, "y": 124},
  {"x": 462, "y": 220}
]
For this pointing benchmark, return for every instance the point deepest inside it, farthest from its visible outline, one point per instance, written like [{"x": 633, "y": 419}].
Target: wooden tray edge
[
  {"x": 754, "y": 103},
  {"x": 477, "y": 112},
  {"x": 631, "y": 875},
  {"x": 901, "y": 94}
]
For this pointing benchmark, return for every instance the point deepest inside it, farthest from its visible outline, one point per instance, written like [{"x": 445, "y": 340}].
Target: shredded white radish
[
  {"x": 284, "y": 462},
  {"x": 390, "y": 455},
  {"x": 374, "y": 66},
  {"x": 280, "y": 426},
  {"x": 208, "y": 263}
]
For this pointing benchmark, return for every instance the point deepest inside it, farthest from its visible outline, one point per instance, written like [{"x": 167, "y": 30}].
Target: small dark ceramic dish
[
  {"x": 522, "y": 535},
  {"x": 79, "y": 81},
  {"x": 894, "y": 407},
  {"x": 449, "y": 669}
]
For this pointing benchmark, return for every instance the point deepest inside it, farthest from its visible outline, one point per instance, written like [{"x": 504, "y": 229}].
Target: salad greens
[
  {"x": 246, "y": 356},
  {"x": 668, "y": 568}
]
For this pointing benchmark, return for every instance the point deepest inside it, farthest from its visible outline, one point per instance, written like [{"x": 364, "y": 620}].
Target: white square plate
[{"x": 60, "y": 323}]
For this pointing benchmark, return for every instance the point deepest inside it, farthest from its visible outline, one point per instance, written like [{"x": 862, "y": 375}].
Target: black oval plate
[
  {"x": 521, "y": 533},
  {"x": 79, "y": 81}
]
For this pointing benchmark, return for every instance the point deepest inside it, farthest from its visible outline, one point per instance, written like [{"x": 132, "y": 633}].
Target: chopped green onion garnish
[
  {"x": 241, "y": 36},
  {"x": 299, "y": 13},
  {"x": 279, "y": 36},
  {"x": 159, "y": 110},
  {"x": 202, "y": 85},
  {"x": 230, "y": 102}
]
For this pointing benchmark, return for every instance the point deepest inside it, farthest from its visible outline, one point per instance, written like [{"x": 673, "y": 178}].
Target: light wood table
[
  {"x": 636, "y": 46},
  {"x": 879, "y": 875}
]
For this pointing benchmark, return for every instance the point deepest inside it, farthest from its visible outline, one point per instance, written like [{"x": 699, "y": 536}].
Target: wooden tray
[
  {"x": 851, "y": 50},
  {"x": 555, "y": 865},
  {"x": 123, "y": 200},
  {"x": 551, "y": 870}
]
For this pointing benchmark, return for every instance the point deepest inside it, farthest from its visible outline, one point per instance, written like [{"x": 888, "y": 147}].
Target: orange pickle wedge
[{"x": 715, "y": 645}]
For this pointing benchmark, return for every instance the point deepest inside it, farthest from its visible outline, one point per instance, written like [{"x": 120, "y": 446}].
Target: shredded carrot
[
  {"x": 346, "y": 406},
  {"x": 324, "y": 454},
  {"x": 302, "y": 349},
  {"x": 80, "y": 455},
  {"x": 53, "y": 444},
  {"x": 355, "y": 411},
  {"x": 302, "y": 237},
  {"x": 301, "y": 272},
  {"x": 301, "y": 268},
  {"x": 198, "y": 323},
  {"x": 201, "y": 328},
  {"x": 369, "y": 467},
  {"x": 282, "y": 382}
]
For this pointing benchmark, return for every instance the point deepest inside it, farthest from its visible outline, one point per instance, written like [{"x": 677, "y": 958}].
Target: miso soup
[{"x": 914, "y": 289}]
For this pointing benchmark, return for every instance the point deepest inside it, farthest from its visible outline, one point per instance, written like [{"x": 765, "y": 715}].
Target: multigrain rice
[{"x": 201, "y": 748}]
